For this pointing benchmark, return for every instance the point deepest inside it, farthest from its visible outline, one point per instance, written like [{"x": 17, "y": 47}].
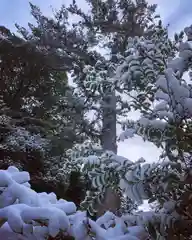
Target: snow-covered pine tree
[
  {"x": 93, "y": 84},
  {"x": 108, "y": 23}
]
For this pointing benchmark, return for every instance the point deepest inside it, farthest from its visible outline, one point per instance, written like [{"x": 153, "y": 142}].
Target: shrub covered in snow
[{"x": 25, "y": 214}]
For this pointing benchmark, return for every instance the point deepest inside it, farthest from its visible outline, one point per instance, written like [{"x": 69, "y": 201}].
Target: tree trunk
[
  {"x": 108, "y": 139},
  {"x": 109, "y": 131},
  {"x": 112, "y": 200}
]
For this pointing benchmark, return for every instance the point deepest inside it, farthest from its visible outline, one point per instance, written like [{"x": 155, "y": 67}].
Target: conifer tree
[{"x": 109, "y": 24}]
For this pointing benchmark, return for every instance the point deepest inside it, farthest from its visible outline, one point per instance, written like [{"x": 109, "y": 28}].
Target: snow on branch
[
  {"x": 170, "y": 100},
  {"x": 21, "y": 139}
]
